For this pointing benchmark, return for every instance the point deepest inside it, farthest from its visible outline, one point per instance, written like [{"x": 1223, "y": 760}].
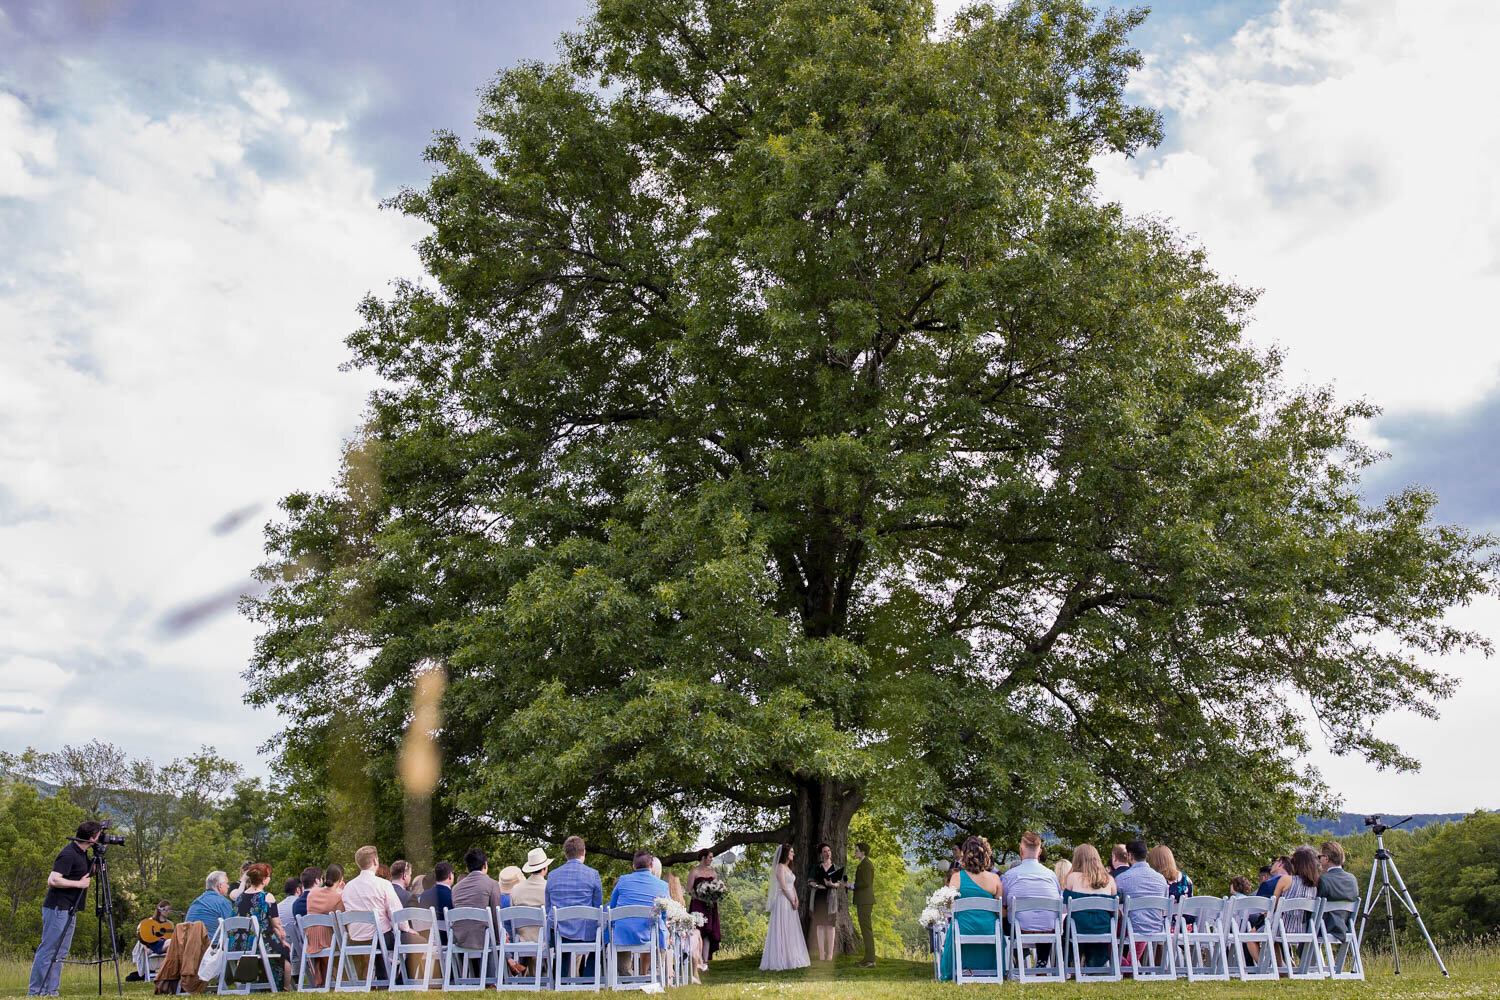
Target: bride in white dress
[{"x": 786, "y": 946}]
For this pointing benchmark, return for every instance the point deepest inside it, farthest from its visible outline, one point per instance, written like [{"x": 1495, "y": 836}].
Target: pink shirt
[{"x": 369, "y": 891}]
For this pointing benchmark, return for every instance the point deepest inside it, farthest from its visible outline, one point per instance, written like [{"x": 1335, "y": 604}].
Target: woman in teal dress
[
  {"x": 974, "y": 880},
  {"x": 1089, "y": 877}
]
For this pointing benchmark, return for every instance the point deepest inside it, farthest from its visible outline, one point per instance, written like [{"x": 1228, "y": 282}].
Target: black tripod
[
  {"x": 103, "y": 908},
  {"x": 1385, "y": 867}
]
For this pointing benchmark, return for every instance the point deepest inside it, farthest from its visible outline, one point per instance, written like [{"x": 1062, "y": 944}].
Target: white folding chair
[
  {"x": 351, "y": 948},
  {"x": 1165, "y": 967},
  {"x": 1110, "y": 971},
  {"x": 423, "y": 922},
  {"x": 1348, "y": 946},
  {"x": 1307, "y": 912},
  {"x": 1199, "y": 926},
  {"x": 1238, "y": 919},
  {"x": 241, "y": 936},
  {"x": 649, "y": 949},
  {"x": 305, "y": 982},
  {"x": 995, "y": 939},
  {"x": 1055, "y": 971},
  {"x": 456, "y": 957},
  {"x": 510, "y": 921},
  {"x": 574, "y": 954}
]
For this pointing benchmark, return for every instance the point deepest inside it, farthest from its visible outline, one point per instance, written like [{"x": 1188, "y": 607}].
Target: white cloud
[
  {"x": 1341, "y": 156},
  {"x": 172, "y": 331}
]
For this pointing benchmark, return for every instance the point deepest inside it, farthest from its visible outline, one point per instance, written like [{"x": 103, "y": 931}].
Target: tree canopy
[{"x": 785, "y": 425}]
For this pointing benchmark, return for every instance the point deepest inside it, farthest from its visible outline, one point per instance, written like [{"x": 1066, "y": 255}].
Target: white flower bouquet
[
  {"x": 679, "y": 920},
  {"x": 939, "y": 908},
  {"x": 710, "y": 890}
]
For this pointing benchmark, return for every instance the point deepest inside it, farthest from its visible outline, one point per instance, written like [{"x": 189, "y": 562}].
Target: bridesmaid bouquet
[
  {"x": 710, "y": 891},
  {"x": 939, "y": 908}
]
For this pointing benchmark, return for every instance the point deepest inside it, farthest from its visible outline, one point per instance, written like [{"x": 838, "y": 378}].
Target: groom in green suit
[{"x": 864, "y": 901}]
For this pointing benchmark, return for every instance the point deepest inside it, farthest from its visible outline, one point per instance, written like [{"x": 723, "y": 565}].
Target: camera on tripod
[{"x": 109, "y": 839}]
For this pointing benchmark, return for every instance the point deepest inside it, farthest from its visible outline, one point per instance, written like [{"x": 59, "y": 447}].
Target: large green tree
[{"x": 784, "y": 424}]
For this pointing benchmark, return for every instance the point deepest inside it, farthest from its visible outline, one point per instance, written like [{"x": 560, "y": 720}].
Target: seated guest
[
  {"x": 1301, "y": 883},
  {"x": 638, "y": 887},
  {"x": 1338, "y": 886},
  {"x": 1061, "y": 870},
  {"x": 532, "y": 889},
  {"x": 321, "y": 901},
  {"x": 213, "y": 905},
  {"x": 976, "y": 880},
  {"x": 1140, "y": 879},
  {"x": 1119, "y": 860},
  {"x": 312, "y": 878},
  {"x": 1160, "y": 858},
  {"x": 1031, "y": 879},
  {"x": 236, "y": 886},
  {"x": 368, "y": 891},
  {"x": 155, "y": 929},
  {"x": 440, "y": 896},
  {"x": 575, "y": 884},
  {"x": 400, "y": 879},
  {"x": 475, "y": 889},
  {"x": 1240, "y": 887},
  {"x": 291, "y": 891},
  {"x": 259, "y": 905},
  {"x": 1089, "y": 877},
  {"x": 510, "y": 877}
]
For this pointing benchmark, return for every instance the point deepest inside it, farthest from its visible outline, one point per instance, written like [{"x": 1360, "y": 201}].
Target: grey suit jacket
[{"x": 1337, "y": 884}]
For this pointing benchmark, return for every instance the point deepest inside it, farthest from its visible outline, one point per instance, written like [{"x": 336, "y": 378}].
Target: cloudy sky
[{"x": 189, "y": 213}]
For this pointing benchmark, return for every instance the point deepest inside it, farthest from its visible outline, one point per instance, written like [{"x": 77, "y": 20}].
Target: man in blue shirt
[
  {"x": 1032, "y": 879},
  {"x": 637, "y": 888},
  {"x": 1140, "y": 879},
  {"x": 440, "y": 896},
  {"x": 213, "y": 905},
  {"x": 575, "y": 884}
]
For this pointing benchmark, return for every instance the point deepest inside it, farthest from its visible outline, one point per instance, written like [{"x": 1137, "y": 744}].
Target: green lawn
[{"x": 1475, "y": 973}]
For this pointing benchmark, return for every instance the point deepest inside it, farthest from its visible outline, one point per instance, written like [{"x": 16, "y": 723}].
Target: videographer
[{"x": 67, "y": 885}]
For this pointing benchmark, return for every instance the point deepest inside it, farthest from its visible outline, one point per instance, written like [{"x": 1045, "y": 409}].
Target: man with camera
[{"x": 67, "y": 885}]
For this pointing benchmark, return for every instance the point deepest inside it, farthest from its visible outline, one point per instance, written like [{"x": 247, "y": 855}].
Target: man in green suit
[{"x": 864, "y": 901}]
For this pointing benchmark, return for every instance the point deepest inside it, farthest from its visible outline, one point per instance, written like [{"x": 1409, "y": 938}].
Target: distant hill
[{"x": 1349, "y": 824}]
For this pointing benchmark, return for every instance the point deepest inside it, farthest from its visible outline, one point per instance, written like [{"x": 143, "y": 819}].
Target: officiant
[{"x": 826, "y": 888}]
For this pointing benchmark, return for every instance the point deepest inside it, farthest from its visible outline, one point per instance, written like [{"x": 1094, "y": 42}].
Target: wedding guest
[
  {"x": 325, "y": 899},
  {"x": 973, "y": 880},
  {"x": 1337, "y": 886},
  {"x": 312, "y": 878},
  {"x": 367, "y": 891},
  {"x": 638, "y": 887},
  {"x": 689, "y": 944},
  {"x": 1240, "y": 887},
  {"x": 1061, "y": 870},
  {"x": 214, "y": 905},
  {"x": 1270, "y": 878},
  {"x": 1160, "y": 858},
  {"x": 401, "y": 881},
  {"x": 475, "y": 889},
  {"x": 1031, "y": 879},
  {"x": 1089, "y": 877},
  {"x": 439, "y": 896},
  {"x": 710, "y": 935},
  {"x": 532, "y": 890},
  {"x": 291, "y": 892},
  {"x": 1119, "y": 860},
  {"x": 575, "y": 884},
  {"x": 238, "y": 884},
  {"x": 1301, "y": 883},
  {"x": 510, "y": 877},
  {"x": 258, "y": 904},
  {"x": 1140, "y": 879}
]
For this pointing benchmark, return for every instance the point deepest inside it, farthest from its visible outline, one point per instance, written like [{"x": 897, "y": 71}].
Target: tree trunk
[{"x": 821, "y": 813}]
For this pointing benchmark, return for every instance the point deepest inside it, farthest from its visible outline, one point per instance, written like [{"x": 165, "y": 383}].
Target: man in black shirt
[{"x": 67, "y": 887}]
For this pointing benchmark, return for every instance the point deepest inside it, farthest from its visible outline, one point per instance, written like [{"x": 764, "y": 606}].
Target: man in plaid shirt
[{"x": 575, "y": 884}]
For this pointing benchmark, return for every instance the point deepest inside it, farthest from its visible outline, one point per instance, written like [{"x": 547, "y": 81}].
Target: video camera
[
  {"x": 109, "y": 839},
  {"x": 1373, "y": 822}
]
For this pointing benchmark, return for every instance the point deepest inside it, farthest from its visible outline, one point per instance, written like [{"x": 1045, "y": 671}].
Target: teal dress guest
[
  {"x": 1089, "y": 878},
  {"x": 970, "y": 882},
  {"x": 1090, "y": 922}
]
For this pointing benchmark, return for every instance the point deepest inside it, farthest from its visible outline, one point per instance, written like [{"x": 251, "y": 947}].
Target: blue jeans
[{"x": 57, "y": 935}]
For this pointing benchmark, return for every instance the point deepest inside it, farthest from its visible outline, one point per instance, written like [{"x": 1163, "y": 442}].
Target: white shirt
[{"x": 369, "y": 891}]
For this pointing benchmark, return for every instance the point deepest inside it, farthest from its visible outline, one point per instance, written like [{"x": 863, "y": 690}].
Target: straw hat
[
  {"x": 536, "y": 860},
  {"x": 510, "y": 877}
]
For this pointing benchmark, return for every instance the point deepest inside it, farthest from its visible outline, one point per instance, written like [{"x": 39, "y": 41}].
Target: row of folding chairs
[
  {"x": 1200, "y": 938},
  {"x": 430, "y": 956}
]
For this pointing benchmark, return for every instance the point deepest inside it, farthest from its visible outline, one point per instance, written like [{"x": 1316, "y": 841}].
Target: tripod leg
[{"x": 1411, "y": 905}]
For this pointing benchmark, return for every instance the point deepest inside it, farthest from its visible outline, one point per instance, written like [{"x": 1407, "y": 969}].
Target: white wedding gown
[{"x": 786, "y": 946}]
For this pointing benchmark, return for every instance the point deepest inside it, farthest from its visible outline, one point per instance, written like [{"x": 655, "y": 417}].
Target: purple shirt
[{"x": 1031, "y": 880}]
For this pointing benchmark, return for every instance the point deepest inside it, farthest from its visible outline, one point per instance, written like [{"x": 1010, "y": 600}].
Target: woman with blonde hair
[
  {"x": 1061, "y": 870},
  {"x": 1160, "y": 858},
  {"x": 1089, "y": 877}
]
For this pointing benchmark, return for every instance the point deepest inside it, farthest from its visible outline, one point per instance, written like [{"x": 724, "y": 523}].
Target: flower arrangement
[
  {"x": 679, "y": 920},
  {"x": 939, "y": 908},
  {"x": 710, "y": 890}
]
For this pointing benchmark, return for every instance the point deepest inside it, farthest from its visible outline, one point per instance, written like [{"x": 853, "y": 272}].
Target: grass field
[{"x": 1475, "y": 973}]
